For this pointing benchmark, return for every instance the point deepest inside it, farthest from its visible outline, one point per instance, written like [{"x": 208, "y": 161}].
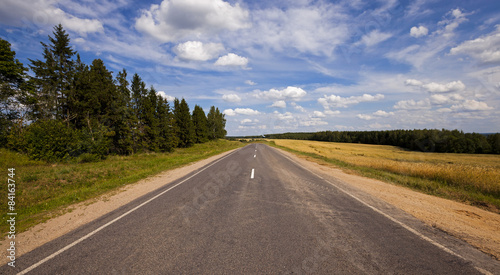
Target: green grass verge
[
  {"x": 44, "y": 190},
  {"x": 431, "y": 187}
]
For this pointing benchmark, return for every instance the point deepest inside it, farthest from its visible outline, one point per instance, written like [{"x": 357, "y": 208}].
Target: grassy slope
[
  {"x": 43, "y": 190},
  {"x": 473, "y": 179}
]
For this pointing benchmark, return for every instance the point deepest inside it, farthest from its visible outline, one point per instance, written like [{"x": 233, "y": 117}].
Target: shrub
[{"x": 51, "y": 140}]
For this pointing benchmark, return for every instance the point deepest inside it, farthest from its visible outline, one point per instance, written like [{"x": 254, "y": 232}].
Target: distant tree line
[
  {"x": 68, "y": 109},
  {"x": 442, "y": 141}
]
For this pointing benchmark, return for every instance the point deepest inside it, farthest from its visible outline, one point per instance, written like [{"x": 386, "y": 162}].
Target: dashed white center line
[
  {"x": 254, "y": 156},
  {"x": 253, "y": 171}
]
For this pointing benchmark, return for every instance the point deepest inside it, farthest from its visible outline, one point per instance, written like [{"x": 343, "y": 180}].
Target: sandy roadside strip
[
  {"x": 92, "y": 209},
  {"x": 478, "y": 227}
]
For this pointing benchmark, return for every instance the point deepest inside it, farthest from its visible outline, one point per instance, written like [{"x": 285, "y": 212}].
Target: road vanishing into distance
[{"x": 255, "y": 211}]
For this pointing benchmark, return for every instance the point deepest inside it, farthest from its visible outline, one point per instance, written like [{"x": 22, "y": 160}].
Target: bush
[
  {"x": 51, "y": 140},
  {"x": 16, "y": 140},
  {"x": 96, "y": 143}
]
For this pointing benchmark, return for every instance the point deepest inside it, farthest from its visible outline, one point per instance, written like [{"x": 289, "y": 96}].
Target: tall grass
[
  {"x": 44, "y": 189},
  {"x": 474, "y": 179}
]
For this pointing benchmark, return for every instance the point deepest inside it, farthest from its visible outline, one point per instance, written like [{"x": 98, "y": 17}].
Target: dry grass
[{"x": 465, "y": 177}]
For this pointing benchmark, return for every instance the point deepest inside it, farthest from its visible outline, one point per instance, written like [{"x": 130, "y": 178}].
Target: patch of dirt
[
  {"x": 87, "y": 211},
  {"x": 478, "y": 227}
]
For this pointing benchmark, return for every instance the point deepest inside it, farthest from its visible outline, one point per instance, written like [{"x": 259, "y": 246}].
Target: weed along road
[{"x": 255, "y": 211}]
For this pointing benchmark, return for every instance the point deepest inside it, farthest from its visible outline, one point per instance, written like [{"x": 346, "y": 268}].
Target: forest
[
  {"x": 426, "y": 140},
  {"x": 63, "y": 109}
]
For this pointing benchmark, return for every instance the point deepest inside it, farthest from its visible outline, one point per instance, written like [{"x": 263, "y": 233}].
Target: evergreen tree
[
  {"x": 200, "y": 125},
  {"x": 99, "y": 102},
  {"x": 80, "y": 83},
  {"x": 216, "y": 123},
  {"x": 184, "y": 123},
  {"x": 167, "y": 134},
  {"x": 122, "y": 140},
  {"x": 12, "y": 77},
  {"x": 138, "y": 89},
  {"x": 151, "y": 129},
  {"x": 53, "y": 77}
]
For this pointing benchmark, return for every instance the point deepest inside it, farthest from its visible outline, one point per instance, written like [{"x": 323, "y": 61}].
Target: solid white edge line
[
  {"x": 53, "y": 255},
  {"x": 251, "y": 176},
  {"x": 384, "y": 214}
]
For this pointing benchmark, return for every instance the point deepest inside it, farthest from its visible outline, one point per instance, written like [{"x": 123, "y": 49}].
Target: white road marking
[
  {"x": 254, "y": 156},
  {"x": 251, "y": 176},
  {"x": 115, "y": 220}
]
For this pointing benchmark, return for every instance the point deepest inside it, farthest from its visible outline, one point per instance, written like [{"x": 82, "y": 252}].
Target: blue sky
[{"x": 291, "y": 66}]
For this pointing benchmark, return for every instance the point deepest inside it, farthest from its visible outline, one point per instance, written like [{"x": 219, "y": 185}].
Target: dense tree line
[
  {"x": 66, "y": 108},
  {"x": 442, "y": 141}
]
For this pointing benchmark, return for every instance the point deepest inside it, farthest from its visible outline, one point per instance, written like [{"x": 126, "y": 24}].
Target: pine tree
[
  {"x": 184, "y": 123},
  {"x": 80, "y": 103},
  {"x": 12, "y": 77},
  {"x": 167, "y": 135},
  {"x": 100, "y": 110},
  {"x": 200, "y": 125},
  {"x": 53, "y": 76},
  {"x": 150, "y": 120},
  {"x": 122, "y": 140},
  {"x": 138, "y": 89}
]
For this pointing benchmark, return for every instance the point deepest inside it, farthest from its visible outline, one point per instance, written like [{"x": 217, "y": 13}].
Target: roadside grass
[
  {"x": 470, "y": 178},
  {"x": 44, "y": 190}
]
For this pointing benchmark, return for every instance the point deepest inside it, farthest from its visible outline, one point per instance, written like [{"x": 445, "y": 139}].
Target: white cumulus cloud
[
  {"x": 289, "y": 93},
  {"x": 381, "y": 113},
  {"x": 48, "y": 13},
  {"x": 298, "y": 107},
  {"x": 453, "y": 86},
  {"x": 484, "y": 49},
  {"x": 240, "y": 111},
  {"x": 167, "y": 97},
  {"x": 279, "y": 104},
  {"x": 377, "y": 114},
  {"x": 419, "y": 31},
  {"x": 471, "y": 105},
  {"x": 234, "y": 98},
  {"x": 338, "y": 101},
  {"x": 284, "y": 116},
  {"x": 309, "y": 123},
  {"x": 412, "y": 104},
  {"x": 196, "y": 50},
  {"x": 318, "y": 114},
  {"x": 433, "y": 87},
  {"x": 231, "y": 59},
  {"x": 413, "y": 82},
  {"x": 331, "y": 113},
  {"x": 442, "y": 99},
  {"x": 173, "y": 20}
]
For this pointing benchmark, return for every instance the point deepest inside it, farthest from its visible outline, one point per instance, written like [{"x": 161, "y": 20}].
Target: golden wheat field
[{"x": 470, "y": 177}]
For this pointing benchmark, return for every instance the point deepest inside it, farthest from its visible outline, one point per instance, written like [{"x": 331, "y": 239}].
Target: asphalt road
[{"x": 255, "y": 211}]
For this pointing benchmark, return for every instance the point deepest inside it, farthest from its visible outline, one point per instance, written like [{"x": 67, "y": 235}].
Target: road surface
[{"x": 255, "y": 211}]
